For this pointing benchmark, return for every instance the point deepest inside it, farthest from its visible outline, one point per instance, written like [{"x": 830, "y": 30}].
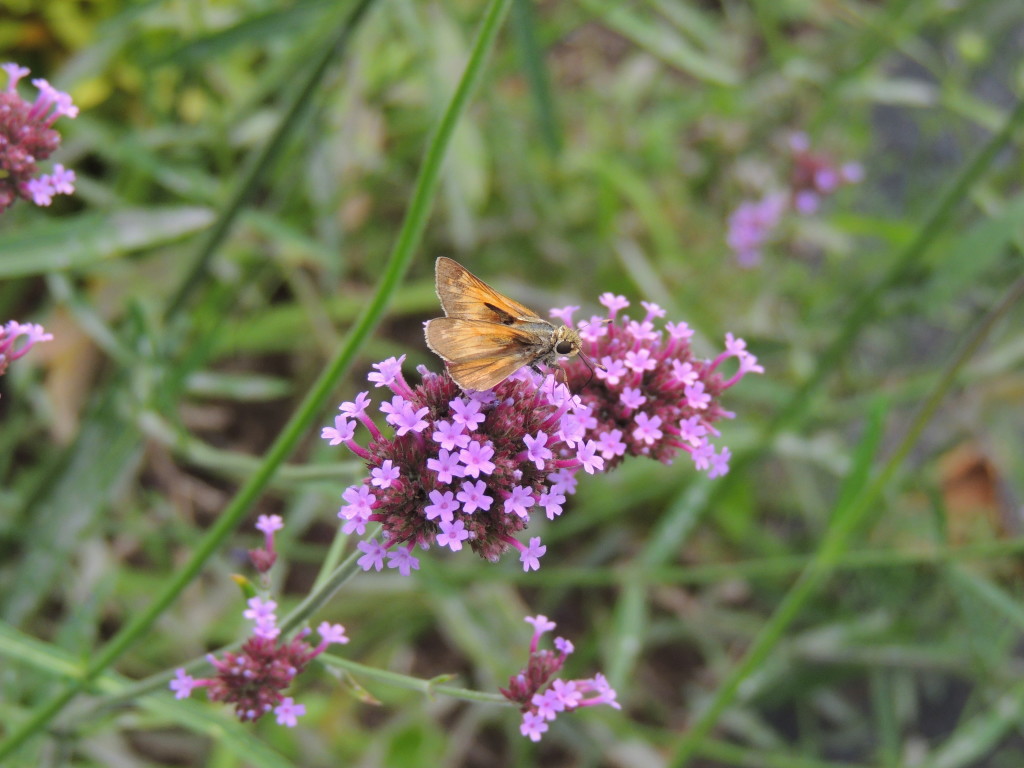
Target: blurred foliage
[{"x": 604, "y": 151}]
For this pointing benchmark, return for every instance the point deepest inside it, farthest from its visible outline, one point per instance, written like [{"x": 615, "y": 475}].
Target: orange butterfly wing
[
  {"x": 466, "y": 296},
  {"x": 480, "y": 353}
]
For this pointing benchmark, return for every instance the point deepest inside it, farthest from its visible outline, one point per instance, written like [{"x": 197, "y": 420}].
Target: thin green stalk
[
  {"x": 398, "y": 262},
  {"x": 848, "y": 519},
  {"x": 325, "y": 590},
  {"x": 427, "y": 687}
]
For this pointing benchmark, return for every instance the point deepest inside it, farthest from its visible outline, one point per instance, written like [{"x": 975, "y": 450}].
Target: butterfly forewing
[{"x": 466, "y": 296}]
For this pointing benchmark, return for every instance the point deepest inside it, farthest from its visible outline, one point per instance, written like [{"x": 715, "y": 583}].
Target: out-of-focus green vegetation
[{"x": 251, "y": 179}]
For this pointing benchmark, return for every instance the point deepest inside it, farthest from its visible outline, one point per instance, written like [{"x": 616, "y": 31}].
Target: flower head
[
  {"x": 813, "y": 176},
  {"x": 751, "y": 225},
  {"x": 541, "y": 696},
  {"x": 10, "y": 333},
  {"x": 255, "y": 677},
  {"x": 27, "y": 136},
  {"x": 473, "y": 468},
  {"x": 654, "y": 398},
  {"x": 816, "y": 175}
]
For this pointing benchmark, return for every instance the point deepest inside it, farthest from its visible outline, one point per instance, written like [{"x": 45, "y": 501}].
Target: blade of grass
[
  {"x": 278, "y": 22},
  {"x": 977, "y": 737},
  {"x": 847, "y": 519},
  {"x": 82, "y": 241},
  {"x": 661, "y": 41}
]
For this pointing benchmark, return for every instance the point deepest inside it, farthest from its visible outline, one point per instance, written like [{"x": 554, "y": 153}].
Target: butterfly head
[{"x": 565, "y": 341}]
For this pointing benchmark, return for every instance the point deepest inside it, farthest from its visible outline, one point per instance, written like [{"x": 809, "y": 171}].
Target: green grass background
[{"x": 263, "y": 189}]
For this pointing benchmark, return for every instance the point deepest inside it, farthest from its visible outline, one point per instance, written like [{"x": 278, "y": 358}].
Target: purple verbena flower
[
  {"x": 183, "y": 684},
  {"x": 661, "y": 400},
  {"x": 541, "y": 696},
  {"x": 471, "y": 470},
  {"x": 288, "y": 712},
  {"x": 751, "y": 225},
  {"x": 11, "y": 331},
  {"x": 813, "y": 177},
  {"x": 255, "y": 677},
  {"x": 816, "y": 175},
  {"x": 27, "y": 136},
  {"x": 472, "y": 467}
]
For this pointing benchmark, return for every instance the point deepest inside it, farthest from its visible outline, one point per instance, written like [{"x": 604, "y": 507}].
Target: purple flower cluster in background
[
  {"x": 458, "y": 468},
  {"x": 751, "y": 225},
  {"x": 652, "y": 396},
  {"x": 816, "y": 175},
  {"x": 813, "y": 177},
  {"x": 540, "y": 695},
  {"x": 26, "y": 137},
  {"x": 10, "y": 332},
  {"x": 254, "y": 678}
]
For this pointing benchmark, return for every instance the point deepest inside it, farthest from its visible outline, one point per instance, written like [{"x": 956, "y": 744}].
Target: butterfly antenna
[{"x": 591, "y": 365}]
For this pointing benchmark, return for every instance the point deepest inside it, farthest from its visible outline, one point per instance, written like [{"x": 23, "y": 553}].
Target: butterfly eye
[{"x": 563, "y": 347}]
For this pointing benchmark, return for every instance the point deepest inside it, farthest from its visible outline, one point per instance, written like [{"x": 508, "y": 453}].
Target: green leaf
[
  {"x": 661, "y": 41},
  {"x": 974, "y": 252},
  {"x": 90, "y": 238}
]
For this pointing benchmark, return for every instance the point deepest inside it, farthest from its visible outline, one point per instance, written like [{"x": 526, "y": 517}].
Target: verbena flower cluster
[
  {"x": 461, "y": 468},
  {"x": 752, "y": 224},
  {"x": 540, "y": 695},
  {"x": 254, "y": 678},
  {"x": 10, "y": 350},
  {"x": 27, "y": 136},
  {"x": 813, "y": 177},
  {"x": 816, "y": 175},
  {"x": 456, "y": 468},
  {"x": 651, "y": 396}
]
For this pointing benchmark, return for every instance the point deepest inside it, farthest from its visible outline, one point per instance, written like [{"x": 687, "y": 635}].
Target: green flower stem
[
  {"x": 324, "y": 591},
  {"x": 848, "y": 518},
  {"x": 427, "y": 687},
  {"x": 398, "y": 262}
]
